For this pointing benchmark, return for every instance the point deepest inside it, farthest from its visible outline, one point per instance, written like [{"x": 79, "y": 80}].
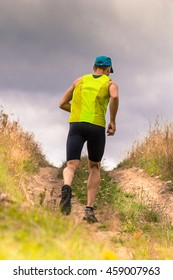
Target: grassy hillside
[
  {"x": 33, "y": 232},
  {"x": 154, "y": 154}
]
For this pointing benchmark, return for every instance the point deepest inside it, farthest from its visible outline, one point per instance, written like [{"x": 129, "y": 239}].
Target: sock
[
  {"x": 66, "y": 186},
  {"x": 89, "y": 207}
]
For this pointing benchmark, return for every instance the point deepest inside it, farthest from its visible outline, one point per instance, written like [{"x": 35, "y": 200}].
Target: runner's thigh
[
  {"x": 96, "y": 143},
  {"x": 75, "y": 142}
]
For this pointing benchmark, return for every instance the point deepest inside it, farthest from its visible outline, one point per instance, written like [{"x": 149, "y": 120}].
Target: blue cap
[{"x": 103, "y": 61}]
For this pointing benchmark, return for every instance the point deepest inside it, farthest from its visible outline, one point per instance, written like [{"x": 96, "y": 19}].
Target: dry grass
[
  {"x": 155, "y": 152},
  {"x": 18, "y": 148}
]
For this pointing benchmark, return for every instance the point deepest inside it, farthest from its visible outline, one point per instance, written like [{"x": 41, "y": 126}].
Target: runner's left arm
[{"x": 65, "y": 101}]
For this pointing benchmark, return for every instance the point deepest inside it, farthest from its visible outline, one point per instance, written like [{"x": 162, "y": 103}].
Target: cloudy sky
[{"x": 46, "y": 44}]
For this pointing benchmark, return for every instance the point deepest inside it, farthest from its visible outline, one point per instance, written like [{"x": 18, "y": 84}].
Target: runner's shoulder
[
  {"x": 113, "y": 84},
  {"x": 76, "y": 81}
]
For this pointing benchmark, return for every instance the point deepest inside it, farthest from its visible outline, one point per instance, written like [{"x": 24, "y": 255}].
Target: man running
[{"x": 87, "y": 100}]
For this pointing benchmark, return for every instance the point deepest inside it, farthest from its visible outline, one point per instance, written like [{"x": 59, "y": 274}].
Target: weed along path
[{"x": 148, "y": 190}]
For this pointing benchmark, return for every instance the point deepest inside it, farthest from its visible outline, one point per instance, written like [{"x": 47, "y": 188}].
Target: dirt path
[
  {"x": 45, "y": 188},
  {"x": 149, "y": 190}
]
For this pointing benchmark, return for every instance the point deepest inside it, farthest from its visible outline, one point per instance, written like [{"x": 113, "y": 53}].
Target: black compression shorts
[{"x": 81, "y": 132}]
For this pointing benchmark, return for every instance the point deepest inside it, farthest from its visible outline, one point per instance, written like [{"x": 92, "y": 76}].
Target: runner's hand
[{"x": 111, "y": 129}]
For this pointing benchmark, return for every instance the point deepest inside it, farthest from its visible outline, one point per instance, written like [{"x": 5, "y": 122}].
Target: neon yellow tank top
[{"x": 90, "y": 100}]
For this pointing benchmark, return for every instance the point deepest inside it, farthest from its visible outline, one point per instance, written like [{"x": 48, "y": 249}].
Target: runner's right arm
[{"x": 113, "y": 108}]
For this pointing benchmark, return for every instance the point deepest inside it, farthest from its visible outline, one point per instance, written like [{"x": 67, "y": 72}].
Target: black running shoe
[
  {"x": 65, "y": 203},
  {"x": 89, "y": 215}
]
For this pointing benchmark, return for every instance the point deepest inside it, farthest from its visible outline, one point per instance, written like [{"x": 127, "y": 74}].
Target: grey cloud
[{"x": 40, "y": 38}]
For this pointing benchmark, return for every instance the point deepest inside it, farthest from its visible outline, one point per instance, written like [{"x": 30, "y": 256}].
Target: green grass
[
  {"x": 37, "y": 234},
  {"x": 30, "y": 166},
  {"x": 9, "y": 183}
]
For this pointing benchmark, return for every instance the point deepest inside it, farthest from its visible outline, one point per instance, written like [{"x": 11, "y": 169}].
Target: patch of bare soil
[{"x": 148, "y": 190}]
